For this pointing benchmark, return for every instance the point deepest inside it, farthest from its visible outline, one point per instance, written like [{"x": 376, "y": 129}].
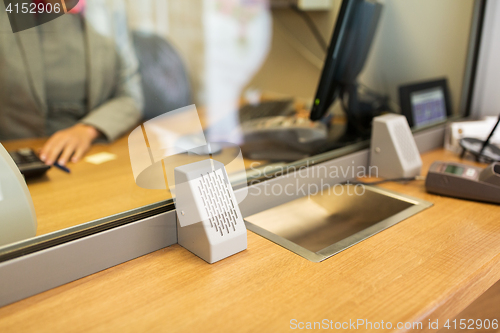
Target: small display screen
[
  {"x": 428, "y": 106},
  {"x": 455, "y": 170}
]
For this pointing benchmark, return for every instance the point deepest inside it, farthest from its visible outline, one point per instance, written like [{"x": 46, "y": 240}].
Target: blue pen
[{"x": 63, "y": 168}]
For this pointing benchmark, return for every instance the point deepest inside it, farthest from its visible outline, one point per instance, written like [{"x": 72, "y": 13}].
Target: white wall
[
  {"x": 487, "y": 89},
  {"x": 420, "y": 40},
  {"x": 293, "y": 66},
  {"x": 149, "y": 16},
  {"x": 416, "y": 40}
]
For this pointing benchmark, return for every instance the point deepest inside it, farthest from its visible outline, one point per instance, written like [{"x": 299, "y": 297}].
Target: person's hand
[{"x": 71, "y": 143}]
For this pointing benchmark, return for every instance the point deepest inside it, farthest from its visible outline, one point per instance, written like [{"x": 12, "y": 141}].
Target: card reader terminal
[{"x": 464, "y": 181}]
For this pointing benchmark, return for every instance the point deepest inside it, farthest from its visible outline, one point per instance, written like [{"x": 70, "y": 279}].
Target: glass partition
[{"x": 76, "y": 83}]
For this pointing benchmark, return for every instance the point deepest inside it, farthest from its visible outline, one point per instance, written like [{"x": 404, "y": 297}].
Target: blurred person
[{"x": 74, "y": 79}]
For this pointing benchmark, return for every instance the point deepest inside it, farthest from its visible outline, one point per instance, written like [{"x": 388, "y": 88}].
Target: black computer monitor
[{"x": 349, "y": 47}]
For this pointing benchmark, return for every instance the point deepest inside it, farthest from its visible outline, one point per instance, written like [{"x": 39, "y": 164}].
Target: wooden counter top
[{"x": 430, "y": 266}]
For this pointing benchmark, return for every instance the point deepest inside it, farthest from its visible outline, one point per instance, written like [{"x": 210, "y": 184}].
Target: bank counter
[{"x": 424, "y": 270}]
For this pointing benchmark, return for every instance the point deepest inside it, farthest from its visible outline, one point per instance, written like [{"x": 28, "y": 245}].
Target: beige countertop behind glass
[{"x": 89, "y": 192}]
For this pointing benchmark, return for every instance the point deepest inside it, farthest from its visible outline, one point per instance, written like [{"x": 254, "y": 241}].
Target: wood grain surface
[
  {"x": 480, "y": 315},
  {"x": 428, "y": 267}
]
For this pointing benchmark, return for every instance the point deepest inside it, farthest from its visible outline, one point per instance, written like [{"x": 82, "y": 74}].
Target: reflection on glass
[
  {"x": 74, "y": 88},
  {"x": 18, "y": 220},
  {"x": 237, "y": 35}
]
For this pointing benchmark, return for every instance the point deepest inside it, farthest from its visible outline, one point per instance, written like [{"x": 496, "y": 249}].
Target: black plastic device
[
  {"x": 29, "y": 163},
  {"x": 347, "y": 53}
]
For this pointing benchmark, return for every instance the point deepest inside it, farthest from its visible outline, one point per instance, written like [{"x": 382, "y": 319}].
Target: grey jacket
[{"x": 114, "y": 100}]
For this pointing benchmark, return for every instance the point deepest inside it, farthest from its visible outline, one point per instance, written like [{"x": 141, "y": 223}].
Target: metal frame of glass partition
[{"x": 14, "y": 257}]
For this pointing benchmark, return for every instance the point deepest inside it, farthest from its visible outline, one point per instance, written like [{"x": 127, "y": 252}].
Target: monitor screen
[{"x": 428, "y": 106}]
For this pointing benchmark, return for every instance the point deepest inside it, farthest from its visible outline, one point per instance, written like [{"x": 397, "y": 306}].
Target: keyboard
[{"x": 266, "y": 109}]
